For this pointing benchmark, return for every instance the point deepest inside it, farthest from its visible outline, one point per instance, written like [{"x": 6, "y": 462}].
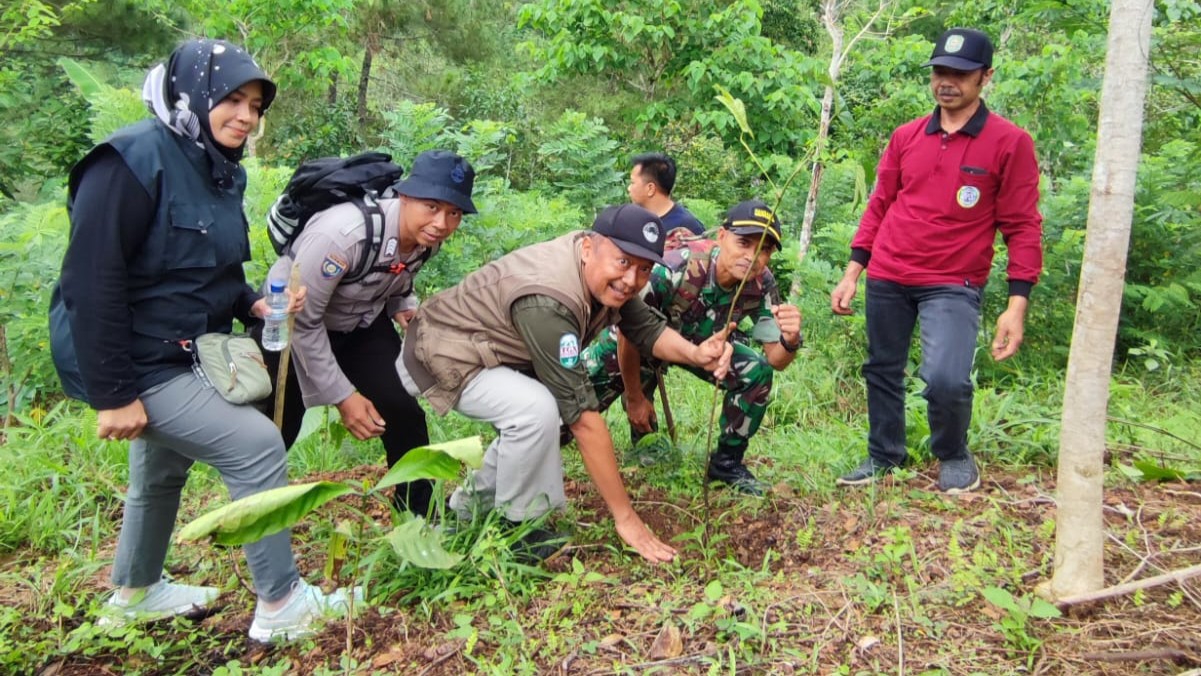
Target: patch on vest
[
  {"x": 569, "y": 350},
  {"x": 968, "y": 196},
  {"x": 332, "y": 267}
]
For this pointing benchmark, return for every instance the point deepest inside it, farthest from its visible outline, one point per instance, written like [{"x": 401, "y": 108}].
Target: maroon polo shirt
[{"x": 940, "y": 199}]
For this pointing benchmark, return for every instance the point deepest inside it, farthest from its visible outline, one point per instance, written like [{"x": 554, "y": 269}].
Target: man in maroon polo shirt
[{"x": 946, "y": 184}]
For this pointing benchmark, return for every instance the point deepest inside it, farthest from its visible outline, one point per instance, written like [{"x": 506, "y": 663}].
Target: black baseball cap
[
  {"x": 962, "y": 49},
  {"x": 633, "y": 229},
  {"x": 440, "y": 175},
  {"x": 752, "y": 217}
]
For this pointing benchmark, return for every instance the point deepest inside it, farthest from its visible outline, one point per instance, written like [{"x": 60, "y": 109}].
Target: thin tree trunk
[
  {"x": 833, "y": 14},
  {"x": 832, "y": 19},
  {"x": 1079, "y": 540},
  {"x": 364, "y": 80},
  {"x": 331, "y": 95}
]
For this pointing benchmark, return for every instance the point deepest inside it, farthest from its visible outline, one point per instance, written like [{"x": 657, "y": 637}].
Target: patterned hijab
[{"x": 199, "y": 74}]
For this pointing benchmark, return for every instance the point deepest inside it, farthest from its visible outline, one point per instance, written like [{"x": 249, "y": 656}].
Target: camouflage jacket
[{"x": 687, "y": 292}]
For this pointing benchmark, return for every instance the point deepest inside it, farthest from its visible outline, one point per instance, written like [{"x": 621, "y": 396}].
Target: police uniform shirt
[{"x": 330, "y": 244}]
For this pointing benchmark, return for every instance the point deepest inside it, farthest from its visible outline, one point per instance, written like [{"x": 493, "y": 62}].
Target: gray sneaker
[
  {"x": 304, "y": 613},
  {"x": 158, "y": 601},
  {"x": 867, "y": 472},
  {"x": 959, "y": 475}
]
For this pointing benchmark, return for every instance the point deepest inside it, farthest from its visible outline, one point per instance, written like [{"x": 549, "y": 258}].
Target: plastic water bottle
[{"x": 275, "y": 328}]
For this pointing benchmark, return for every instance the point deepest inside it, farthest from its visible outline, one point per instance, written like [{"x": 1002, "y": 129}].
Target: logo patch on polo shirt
[
  {"x": 968, "y": 196},
  {"x": 569, "y": 350},
  {"x": 332, "y": 266}
]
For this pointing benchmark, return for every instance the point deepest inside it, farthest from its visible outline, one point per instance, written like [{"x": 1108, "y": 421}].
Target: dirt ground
[{"x": 815, "y": 566}]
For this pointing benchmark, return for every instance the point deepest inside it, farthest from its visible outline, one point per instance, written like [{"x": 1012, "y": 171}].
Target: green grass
[{"x": 759, "y": 607}]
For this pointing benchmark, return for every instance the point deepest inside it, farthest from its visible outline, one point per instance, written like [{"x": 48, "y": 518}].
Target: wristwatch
[{"x": 800, "y": 341}]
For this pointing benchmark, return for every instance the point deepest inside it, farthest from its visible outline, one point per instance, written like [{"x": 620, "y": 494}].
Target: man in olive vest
[
  {"x": 694, "y": 288},
  {"x": 504, "y": 346}
]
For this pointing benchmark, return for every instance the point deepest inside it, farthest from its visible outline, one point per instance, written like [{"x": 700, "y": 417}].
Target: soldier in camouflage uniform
[{"x": 694, "y": 290}]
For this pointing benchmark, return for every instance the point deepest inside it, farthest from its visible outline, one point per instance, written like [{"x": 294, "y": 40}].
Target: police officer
[
  {"x": 344, "y": 344},
  {"x": 694, "y": 289}
]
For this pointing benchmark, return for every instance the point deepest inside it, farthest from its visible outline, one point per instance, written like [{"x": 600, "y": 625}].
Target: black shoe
[
  {"x": 959, "y": 475},
  {"x": 739, "y": 478},
  {"x": 537, "y": 545},
  {"x": 725, "y": 465},
  {"x": 867, "y": 472}
]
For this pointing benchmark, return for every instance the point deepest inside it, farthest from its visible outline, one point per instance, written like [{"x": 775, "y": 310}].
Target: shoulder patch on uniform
[
  {"x": 390, "y": 247},
  {"x": 569, "y": 350},
  {"x": 333, "y": 266}
]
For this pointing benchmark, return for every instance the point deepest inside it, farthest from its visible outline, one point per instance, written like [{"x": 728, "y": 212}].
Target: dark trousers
[
  {"x": 950, "y": 320},
  {"x": 368, "y": 358}
]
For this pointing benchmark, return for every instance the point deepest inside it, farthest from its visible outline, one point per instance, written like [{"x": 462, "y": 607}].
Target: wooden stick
[
  {"x": 1118, "y": 590},
  {"x": 1139, "y": 655},
  {"x": 667, "y": 417},
  {"x": 281, "y": 378}
]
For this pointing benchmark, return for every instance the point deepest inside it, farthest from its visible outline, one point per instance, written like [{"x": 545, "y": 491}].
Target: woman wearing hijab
[{"x": 158, "y": 238}]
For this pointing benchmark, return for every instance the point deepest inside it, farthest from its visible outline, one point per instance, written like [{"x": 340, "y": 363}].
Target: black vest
[{"x": 187, "y": 275}]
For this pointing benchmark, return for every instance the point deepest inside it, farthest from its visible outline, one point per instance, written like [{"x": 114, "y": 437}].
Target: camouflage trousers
[{"x": 747, "y": 386}]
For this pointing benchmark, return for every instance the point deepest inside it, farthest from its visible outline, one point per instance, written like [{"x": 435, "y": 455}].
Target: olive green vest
[{"x": 467, "y": 328}]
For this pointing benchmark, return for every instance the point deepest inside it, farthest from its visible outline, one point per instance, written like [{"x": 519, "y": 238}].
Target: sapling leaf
[
  {"x": 436, "y": 461},
  {"x": 254, "y": 517},
  {"x": 421, "y": 545},
  {"x": 736, "y": 108}
]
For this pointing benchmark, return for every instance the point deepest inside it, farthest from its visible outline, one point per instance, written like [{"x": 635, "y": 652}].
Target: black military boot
[{"x": 725, "y": 465}]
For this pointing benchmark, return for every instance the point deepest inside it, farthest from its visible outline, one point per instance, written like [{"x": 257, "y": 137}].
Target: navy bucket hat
[{"x": 440, "y": 175}]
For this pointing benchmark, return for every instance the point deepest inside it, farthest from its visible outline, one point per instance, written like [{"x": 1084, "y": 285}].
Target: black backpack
[{"x": 328, "y": 181}]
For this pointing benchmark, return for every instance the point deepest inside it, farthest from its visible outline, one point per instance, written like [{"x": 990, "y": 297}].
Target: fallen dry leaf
[{"x": 668, "y": 643}]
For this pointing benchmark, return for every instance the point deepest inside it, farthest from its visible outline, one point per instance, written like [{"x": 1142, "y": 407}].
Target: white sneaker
[
  {"x": 158, "y": 601},
  {"x": 303, "y": 614}
]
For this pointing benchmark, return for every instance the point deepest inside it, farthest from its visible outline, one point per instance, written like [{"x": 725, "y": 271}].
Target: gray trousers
[
  {"x": 522, "y": 472},
  {"x": 189, "y": 422}
]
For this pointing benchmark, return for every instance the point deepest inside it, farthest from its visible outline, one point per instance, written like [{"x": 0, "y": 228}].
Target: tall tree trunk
[
  {"x": 364, "y": 80},
  {"x": 331, "y": 95},
  {"x": 1080, "y": 537}
]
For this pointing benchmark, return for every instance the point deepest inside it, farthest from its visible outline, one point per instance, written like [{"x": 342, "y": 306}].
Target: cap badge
[
  {"x": 954, "y": 44},
  {"x": 457, "y": 174},
  {"x": 651, "y": 232}
]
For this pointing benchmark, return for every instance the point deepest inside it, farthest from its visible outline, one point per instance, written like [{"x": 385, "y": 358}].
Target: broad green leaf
[
  {"x": 421, "y": 545},
  {"x": 1001, "y": 599},
  {"x": 436, "y": 461},
  {"x": 736, "y": 108},
  {"x": 1043, "y": 610},
  {"x": 713, "y": 591},
  {"x": 1153, "y": 472},
  {"x": 257, "y": 516},
  {"x": 81, "y": 77},
  {"x": 468, "y": 450}
]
